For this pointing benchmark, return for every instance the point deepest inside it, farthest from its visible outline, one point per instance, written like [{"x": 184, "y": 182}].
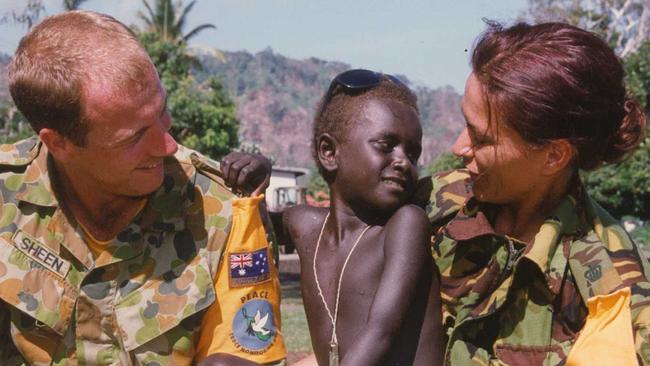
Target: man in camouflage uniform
[
  {"x": 111, "y": 234},
  {"x": 505, "y": 303}
]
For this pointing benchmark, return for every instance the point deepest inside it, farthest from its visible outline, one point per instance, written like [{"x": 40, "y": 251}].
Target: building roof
[{"x": 290, "y": 169}]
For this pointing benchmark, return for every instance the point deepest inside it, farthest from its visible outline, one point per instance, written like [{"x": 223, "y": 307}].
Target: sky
[{"x": 427, "y": 40}]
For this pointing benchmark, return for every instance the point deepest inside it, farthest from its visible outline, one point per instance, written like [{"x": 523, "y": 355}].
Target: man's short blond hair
[{"x": 59, "y": 59}]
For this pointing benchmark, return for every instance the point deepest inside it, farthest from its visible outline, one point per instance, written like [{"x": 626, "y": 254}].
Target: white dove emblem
[{"x": 259, "y": 322}]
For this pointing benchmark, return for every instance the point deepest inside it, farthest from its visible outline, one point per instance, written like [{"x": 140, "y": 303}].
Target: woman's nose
[{"x": 463, "y": 145}]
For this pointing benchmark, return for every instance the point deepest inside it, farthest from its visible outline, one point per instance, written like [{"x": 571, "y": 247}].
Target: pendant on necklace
[{"x": 334, "y": 354}]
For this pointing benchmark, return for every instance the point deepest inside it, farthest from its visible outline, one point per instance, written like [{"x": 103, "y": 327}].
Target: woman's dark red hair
[{"x": 554, "y": 81}]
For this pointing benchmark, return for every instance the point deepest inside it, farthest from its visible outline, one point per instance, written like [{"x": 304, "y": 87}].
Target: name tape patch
[{"x": 41, "y": 253}]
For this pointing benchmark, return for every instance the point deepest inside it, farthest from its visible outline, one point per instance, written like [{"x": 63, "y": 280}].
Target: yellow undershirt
[{"x": 98, "y": 247}]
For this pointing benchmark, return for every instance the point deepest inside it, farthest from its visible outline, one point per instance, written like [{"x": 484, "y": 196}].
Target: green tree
[
  {"x": 624, "y": 24},
  {"x": 316, "y": 183},
  {"x": 637, "y": 72},
  {"x": 623, "y": 189},
  {"x": 72, "y": 4},
  {"x": 203, "y": 114},
  {"x": 445, "y": 161},
  {"x": 13, "y": 126},
  {"x": 32, "y": 10},
  {"x": 204, "y": 117},
  {"x": 28, "y": 15},
  {"x": 168, "y": 19}
]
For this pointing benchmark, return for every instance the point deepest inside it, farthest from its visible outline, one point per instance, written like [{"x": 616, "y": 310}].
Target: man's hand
[{"x": 247, "y": 173}]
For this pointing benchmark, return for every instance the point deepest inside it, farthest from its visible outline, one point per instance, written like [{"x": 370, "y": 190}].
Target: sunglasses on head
[{"x": 357, "y": 80}]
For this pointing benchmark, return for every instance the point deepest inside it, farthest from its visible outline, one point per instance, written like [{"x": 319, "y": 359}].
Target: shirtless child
[
  {"x": 368, "y": 283},
  {"x": 366, "y": 265}
]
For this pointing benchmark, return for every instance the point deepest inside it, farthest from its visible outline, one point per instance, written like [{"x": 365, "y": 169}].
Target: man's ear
[
  {"x": 327, "y": 150},
  {"x": 58, "y": 145},
  {"x": 559, "y": 155}
]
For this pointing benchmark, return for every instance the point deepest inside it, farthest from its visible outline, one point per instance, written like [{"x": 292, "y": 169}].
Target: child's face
[{"x": 377, "y": 161}]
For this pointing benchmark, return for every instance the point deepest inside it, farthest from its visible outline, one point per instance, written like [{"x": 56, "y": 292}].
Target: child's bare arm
[{"x": 407, "y": 263}]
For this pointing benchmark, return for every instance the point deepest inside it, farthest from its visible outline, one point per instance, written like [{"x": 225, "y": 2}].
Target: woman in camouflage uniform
[{"x": 533, "y": 271}]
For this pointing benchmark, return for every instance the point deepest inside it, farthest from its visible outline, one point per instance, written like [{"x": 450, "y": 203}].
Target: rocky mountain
[{"x": 276, "y": 97}]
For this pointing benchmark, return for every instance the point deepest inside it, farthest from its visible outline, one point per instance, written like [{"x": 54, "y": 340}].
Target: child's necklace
[{"x": 334, "y": 346}]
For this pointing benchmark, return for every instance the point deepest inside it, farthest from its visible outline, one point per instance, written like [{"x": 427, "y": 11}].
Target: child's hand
[{"x": 248, "y": 173}]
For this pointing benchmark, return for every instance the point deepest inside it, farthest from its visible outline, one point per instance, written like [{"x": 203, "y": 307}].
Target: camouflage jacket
[
  {"x": 505, "y": 302},
  {"x": 144, "y": 306}
]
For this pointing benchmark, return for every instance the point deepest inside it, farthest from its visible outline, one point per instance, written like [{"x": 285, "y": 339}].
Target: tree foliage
[
  {"x": 317, "y": 186},
  {"x": 168, "y": 19},
  {"x": 72, "y": 4},
  {"x": 32, "y": 10},
  {"x": 624, "y": 24},
  {"x": 637, "y": 72},
  {"x": 28, "y": 15},
  {"x": 204, "y": 117},
  {"x": 623, "y": 189},
  {"x": 203, "y": 114},
  {"x": 13, "y": 126},
  {"x": 445, "y": 161}
]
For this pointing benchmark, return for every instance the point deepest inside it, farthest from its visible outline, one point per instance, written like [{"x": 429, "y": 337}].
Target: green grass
[{"x": 294, "y": 322}]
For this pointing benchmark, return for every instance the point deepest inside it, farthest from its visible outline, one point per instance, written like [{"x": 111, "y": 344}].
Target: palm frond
[
  {"x": 183, "y": 14},
  {"x": 198, "y": 29}
]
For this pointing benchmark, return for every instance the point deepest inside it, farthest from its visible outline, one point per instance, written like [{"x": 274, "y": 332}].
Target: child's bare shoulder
[
  {"x": 302, "y": 220},
  {"x": 407, "y": 228},
  {"x": 406, "y": 217}
]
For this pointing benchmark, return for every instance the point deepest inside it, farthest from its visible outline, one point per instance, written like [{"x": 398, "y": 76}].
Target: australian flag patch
[{"x": 249, "y": 268}]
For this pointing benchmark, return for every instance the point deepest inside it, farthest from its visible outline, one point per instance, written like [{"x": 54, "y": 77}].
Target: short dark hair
[
  {"x": 335, "y": 115},
  {"x": 59, "y": 57},
  {"x": 552, "y": 81}
]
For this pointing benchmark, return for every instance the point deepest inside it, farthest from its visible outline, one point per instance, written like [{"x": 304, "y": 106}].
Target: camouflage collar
[
  {"x": 571, "y": 219},
  {"x": 471, "y": 221},
  {"x": 36, "y": 185},
  {"x": 171, "y": 204},
  {"x": 566, "y": 222}
]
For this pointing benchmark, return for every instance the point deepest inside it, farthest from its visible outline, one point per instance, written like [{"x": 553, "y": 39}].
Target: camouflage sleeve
[
  {"x": 640, "y": 307},
  {"x": 9, "y": 355},
  {"x": 442, "y": 195},
  {"x": 641, "y": 342}
]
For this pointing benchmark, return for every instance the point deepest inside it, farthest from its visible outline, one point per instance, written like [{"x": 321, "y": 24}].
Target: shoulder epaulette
[
  {"x": 207, "y": 167},
  {"x": 19, "y": 153}
]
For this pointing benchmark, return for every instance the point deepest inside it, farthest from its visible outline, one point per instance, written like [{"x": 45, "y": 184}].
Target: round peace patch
[{"x": 253, "y": 327}]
